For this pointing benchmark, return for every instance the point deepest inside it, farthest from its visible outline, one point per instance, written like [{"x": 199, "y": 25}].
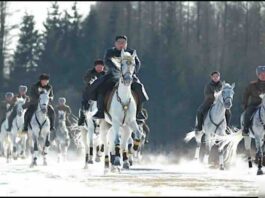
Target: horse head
[
  {"x": 227, "y": 93},
  {"x": 126, "y": 65},
  {"x": 19, "y": 106},
  {"x": 44, "y": 101}
]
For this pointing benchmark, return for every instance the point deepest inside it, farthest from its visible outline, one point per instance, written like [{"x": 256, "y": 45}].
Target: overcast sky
[{"x": 39, "y": 10}]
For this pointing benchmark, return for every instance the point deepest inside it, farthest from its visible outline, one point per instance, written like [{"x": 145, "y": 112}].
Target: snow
[{"x": 156, "y": 175}]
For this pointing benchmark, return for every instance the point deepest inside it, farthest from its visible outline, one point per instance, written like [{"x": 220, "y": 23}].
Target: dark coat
[
  {"x": 252, "y": 92},
  {"x": 92, "y": 80},
  {"x": 4, "y": 109},
  {"x": 35, "y": 92},
  {"x": 209, "y": 90},
  {"x": 113, "y": 52}
]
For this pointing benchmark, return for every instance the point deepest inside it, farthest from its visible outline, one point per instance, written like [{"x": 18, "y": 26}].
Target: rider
[
  {"x": 252, "y": 92},
  {"x": 112, "y": 77},
  {"x": 6, "y": 106},
  {"x": 42, "y": 84},
  {"x": 91, "y": 75},
  {"x": 213, "y": 86},
  {"x": 63, "y": 107},
  {"x": 22, "y": 93}
]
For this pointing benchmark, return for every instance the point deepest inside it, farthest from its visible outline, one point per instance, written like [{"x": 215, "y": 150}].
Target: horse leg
[
  {"x": 207, "y": 150},
  {"x": 117, "y": 142},
  {"x": 90, "y": 134},
  {"x": 34, "y": 153},
  {"x": 247, "y": 143},
  {"x": 221, "y": 159},
  {"x": 130, "y": 150},
  {"x": 104, "y": 127},
  {"x": 198, "y": 138},
  {"x": 138, "y": 134},
  {"x": 59, "y": 150},
  {"x": 259, "y": 154},
  {"x": 45, "y": 150},
  {"x": 126, "y": 133},
  {"x": 85, "y": 137}
]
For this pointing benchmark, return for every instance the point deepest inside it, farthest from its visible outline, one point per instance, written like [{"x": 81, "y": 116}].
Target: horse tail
[
  {"x": 189, "y": 136},
  {"x": 231, "y": 143}
]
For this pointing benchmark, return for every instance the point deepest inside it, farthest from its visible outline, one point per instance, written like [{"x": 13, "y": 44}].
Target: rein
[
  {"x": 40, "y": 125},
  {"x": 125, "y": 106}
]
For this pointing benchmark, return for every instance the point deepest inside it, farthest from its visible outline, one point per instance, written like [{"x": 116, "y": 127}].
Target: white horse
[
  {"x": 121, "y": 116},
  {"x": 19, "y": 139},
  {"x": 62, "y": 138},
  {"x": 39, "y": 130},
  {"x": 257, "y": 132},
  {"x": 6, "y": 142},
  {"x": 90, "y": 136},
  {"x": 215, "y": 124}
]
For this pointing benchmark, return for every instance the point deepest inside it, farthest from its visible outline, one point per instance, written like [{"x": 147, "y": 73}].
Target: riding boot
[
  {"x": 51, "y": 115},
  {"x": 27, "y": 118},
  {"x": 139, "y": 114},
  {"x": 199, "y": 121},
  {"x": 100, "y": 106}
]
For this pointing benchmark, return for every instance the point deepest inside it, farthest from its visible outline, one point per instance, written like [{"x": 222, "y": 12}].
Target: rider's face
[
  {"x": 22, "y": 92},
  {"x": 121, "y": 44},
  {"x": 215, "y": 78},
  {"x": 44, "y": 82},
  {"x": 262, "y": 76},
  {"x": 99, "y": 68},
  {"x": 9, "y": 99}
]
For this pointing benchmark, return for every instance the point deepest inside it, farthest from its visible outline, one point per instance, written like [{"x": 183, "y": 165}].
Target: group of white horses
[
  {"x": 118, "y": 137},
  {"x": 214, "y": 129}
]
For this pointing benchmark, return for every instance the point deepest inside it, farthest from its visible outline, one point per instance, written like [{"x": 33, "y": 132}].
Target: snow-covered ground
[{"x": 156, "y": 176}]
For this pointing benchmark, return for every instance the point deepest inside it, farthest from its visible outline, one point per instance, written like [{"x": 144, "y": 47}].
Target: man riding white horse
[
  {"x": 36, "y": 89},
  {"x": 214, "y": 86},
  {"x": 6, "y": 106},
  {"x": 91, "y": 76},
  {"x": 251, "y": 98},
  {"x": 108, "y": 81},
  {"x": 22, "y": 93}
]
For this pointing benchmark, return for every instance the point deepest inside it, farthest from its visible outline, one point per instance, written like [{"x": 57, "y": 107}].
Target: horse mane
[{"x": 117, "y": 60}]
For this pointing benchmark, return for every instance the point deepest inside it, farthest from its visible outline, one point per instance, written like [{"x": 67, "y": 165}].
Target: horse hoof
[
  {"x": 222, "y": 168},
  {"x": 131, "y": 162},
  {"x": 90, "y": 162},
  {"x": 45, "y": 163},
  {"x": 85, "y": 167},
  {"x": 97, "y": 159},
  {"x": 250, "y": 164},
  {"x": 260, "y": 172},
  {"x": 126, "y": 165}
]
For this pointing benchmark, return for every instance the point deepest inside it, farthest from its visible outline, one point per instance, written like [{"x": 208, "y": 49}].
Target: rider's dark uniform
[
  {"x": 33, "y": 104},
  {"x": 209, "y": 98},
  {"x": 252, "y": 100},
  {"x": 112, "y": 77},
  {"x": 89, "y": 93}
]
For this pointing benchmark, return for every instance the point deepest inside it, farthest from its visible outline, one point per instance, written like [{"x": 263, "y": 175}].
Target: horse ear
[
  {"x": 223, "y": 83},
  {"x": 233, "y": 85}
]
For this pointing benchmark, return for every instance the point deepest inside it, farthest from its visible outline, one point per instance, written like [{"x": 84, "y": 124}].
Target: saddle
[{"x": 110, "y": 94}]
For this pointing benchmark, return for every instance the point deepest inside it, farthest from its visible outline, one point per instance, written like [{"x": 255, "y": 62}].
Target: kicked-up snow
[{"x": 156, "y": 176}]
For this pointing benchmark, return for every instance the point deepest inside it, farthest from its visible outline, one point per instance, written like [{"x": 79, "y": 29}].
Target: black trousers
[{"x": 249, "y": 112}]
